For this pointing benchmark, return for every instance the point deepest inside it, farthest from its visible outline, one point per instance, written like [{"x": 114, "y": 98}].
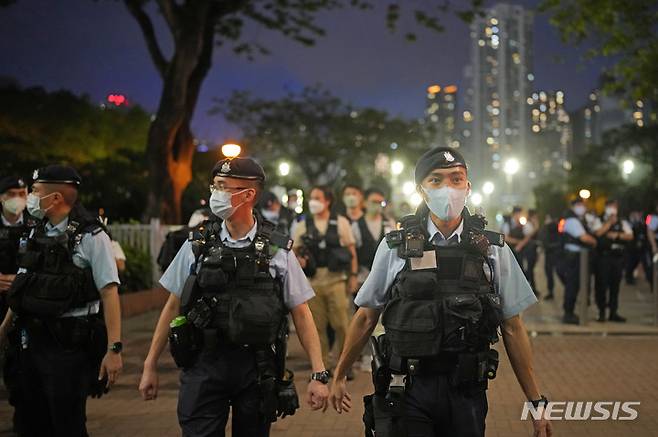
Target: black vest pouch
[
  {"x": 412, "y": 318},
  {"x": 462, "y": 314},
  {"x": 255, "y": 314},
  {"x": 340, "y": 259},
  {"x": 44, "y": 294}
]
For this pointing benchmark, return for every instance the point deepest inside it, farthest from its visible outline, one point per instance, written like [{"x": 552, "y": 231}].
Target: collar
[
  {"x": 436, "y": 235},
  {"x": 59, "y": 228},
  {"x": 19, "y": 222},
  {"x": 225, "y": 236}
]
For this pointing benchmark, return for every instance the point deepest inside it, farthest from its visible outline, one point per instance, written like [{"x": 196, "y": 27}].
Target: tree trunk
[{"x": 170, "y": 147}]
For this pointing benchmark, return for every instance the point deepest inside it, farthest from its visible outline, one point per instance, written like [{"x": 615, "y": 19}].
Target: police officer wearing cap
[
  {"x": 576, "y": 236},
  {"x": 67, "y": 269},
  {"x": 443, "y": 285},
  {"x": 613, "y": 234},
  {"x": 232, "y": 287},
  {"x": 13, "y": 226}
]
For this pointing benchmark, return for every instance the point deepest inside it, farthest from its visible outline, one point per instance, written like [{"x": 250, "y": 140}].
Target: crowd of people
[{"x": 618, "y": 248}]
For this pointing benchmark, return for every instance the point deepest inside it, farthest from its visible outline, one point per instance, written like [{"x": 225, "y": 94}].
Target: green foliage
[
  {"x": 624, "y": 30},
  {"x": 322, "y": 136},
  {"x": 40, "y": 126},
  {"x": 107, "y": 146},
  {"x": 138, "y": 273}
]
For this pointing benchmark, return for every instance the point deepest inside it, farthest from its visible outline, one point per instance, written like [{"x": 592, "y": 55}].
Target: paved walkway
[{"x": 602, "y": 363}]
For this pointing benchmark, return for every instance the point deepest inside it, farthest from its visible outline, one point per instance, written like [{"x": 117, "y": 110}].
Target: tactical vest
[
  {"x": 366, "y": 253},
  {"x": 52, "y": 283},
  {"x": 235, "y": 283},
  {"x": 452, "y": 307},
  {"x": 10, "y": 237},
  {"x": 567, "y": 238},
  {"x": 607, "y": 246},
  {"x": 321, "y": 245}
]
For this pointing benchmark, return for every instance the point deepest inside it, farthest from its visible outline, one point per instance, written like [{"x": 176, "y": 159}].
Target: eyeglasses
[{"x": 223, "y": 187}]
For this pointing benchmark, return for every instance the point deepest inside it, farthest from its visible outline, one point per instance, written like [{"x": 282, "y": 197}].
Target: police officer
[
  {"x": 244, "y": 280},
  {"x": 638, "y": 250},
  {"x": 513, "y": 230},
  {"x": 612, "y": 234},
  {"x": 427, "y": 292},
  {"x": 576, "y": 236},
  {"x": 273, "y": 211},
  {"x": 67, "y": 269},
  {"x": 13, "y": 226}
]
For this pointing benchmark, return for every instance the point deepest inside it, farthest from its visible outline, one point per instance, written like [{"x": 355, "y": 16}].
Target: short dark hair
[
  {"x": 373, "y": 190},
  {"x": 351, "y": 185},
  {"x": 516, "y": 209},
  {"x": 326, "y": 191}
]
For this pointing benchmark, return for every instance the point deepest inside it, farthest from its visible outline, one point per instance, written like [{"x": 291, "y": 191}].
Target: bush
[{"x": 138, "y": 273}]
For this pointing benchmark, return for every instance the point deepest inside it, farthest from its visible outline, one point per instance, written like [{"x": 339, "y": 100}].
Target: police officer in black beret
[
  {"x": 444, "y": 286},
  {"x": 232, "y": 287},
  {"x": 67, "y": 268}
]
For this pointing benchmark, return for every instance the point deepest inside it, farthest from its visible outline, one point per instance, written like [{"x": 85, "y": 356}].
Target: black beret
[
  {"x": 9, "y": 182},
  {"x": 239, "y": 168},
  {"x": 440, "y": 157},
  {"x": 57, "y": 174}
]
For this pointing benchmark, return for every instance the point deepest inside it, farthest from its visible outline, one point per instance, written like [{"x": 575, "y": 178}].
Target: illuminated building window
[
  {"x": 530, "y": 101},
  {"x": 468, "y": 117},
  {"x": 481, "y": 43},
  {"x": 531, "y": 77},
  {"x": 535, "y": 128}
]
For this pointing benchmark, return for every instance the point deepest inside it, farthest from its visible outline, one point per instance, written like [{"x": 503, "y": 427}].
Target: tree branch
[
  {"x": 145, "y": 24},
  {"x": 170, "y": 13}
]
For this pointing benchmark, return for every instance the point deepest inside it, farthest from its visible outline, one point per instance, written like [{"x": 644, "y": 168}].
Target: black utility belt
[{"x": 443, "y": 363}]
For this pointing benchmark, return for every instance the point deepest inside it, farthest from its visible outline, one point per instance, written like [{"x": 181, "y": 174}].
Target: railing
[{"x": 148, "y": 238}]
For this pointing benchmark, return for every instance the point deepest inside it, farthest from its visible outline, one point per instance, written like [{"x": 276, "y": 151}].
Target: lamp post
[{"x": 231, "y": 150}]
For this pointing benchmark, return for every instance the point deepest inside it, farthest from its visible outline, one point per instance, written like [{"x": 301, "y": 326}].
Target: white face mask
[
  {"x": 446, "y": 202},
  {"x": 350, "y": 200},
  {"x": 579, "y": 210},
  {"x": 14, "y": 205},
  {"x": 220, "y": 204},
  {"x": 34, "y": 205},
  {"x": 272, "y": 216},
  {"x": 315, "y": 206},
  {"x": 610, "y": 210}
]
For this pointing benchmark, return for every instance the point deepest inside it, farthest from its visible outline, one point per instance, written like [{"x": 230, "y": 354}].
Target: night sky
[{"x": 95, "y": 47}]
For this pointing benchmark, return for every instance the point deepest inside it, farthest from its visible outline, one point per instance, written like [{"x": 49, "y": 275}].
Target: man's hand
[
  {"x": 148, "y": 385},
  {"x": 5, "y": 282},
  {"x": 316, "y": 395},
  {"x": 340, "y": 399},
  {"x": 111, "y": 367},
  {"x": 543, "y": 428},
  {"x": 352, "y": 284}
]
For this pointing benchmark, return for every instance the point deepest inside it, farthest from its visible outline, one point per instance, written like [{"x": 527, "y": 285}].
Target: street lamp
[
  {"x": 415, "y": 199},
  {"x": 476, "y": 199},
  {"x": 284, "y": 169},
  {"x": 231, "y": 150},
  {"x": 628, "y": 166},
  {"x": 584, "y": 193},
  {"x": 397, "y": 167},
  {"x": 512, "y": 166},
  {"x": 408, "y": 188},
  {"x": 488, "y": 188}
]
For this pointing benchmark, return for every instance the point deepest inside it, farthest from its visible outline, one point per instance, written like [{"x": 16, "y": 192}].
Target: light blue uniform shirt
[
  {"x": 95, "y": 252},
  {"x": 509, "y": 280},
  {"x": 575, "y": 228},
  {"x": 283, "y": 265}
]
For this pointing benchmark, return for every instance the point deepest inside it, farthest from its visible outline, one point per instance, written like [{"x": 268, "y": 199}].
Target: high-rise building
[
  {"x": 441, "y": 114},
  {"x": 550, "y": 138},
  {"x": 501, "y": 76}
]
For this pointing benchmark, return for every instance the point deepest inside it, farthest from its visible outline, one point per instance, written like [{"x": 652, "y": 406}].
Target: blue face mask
[{"x": 446, "y": 202}]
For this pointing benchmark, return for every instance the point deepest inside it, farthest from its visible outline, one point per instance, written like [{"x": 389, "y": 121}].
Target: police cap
[
  {"x": 57, "y": 174},
  {"x": 439, "y": 157},
  {"x": 10, "y": 182},
  {"x": 239, "y": 168}
]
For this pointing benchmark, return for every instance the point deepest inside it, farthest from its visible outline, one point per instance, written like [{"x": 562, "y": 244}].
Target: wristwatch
[
  {"x": 322, "y": 377},
  {"x": 541, "y": 400},
  {"x": 116, "y": 347}
]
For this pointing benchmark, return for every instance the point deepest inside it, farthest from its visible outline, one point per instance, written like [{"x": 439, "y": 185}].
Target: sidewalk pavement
[{"x": 597, "y": 362}]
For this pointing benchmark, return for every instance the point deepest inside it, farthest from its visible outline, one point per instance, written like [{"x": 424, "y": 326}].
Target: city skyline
[{"x": 383, "y": 71}]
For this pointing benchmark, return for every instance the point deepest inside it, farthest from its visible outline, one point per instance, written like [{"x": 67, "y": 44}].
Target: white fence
[{"x": 148, "y": 238}]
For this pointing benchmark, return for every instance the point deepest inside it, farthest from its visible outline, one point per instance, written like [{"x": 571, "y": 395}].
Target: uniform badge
[
  {"x": 21, "y": 183},
  {"x": 226, "y": 167},
  {"x": 35, "y": 175},
  {"x": 448, "y": 156}
]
